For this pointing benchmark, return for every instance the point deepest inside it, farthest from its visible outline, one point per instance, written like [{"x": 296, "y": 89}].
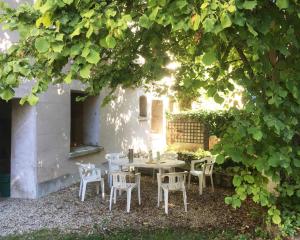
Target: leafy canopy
[{"x": 253, "y": 43}]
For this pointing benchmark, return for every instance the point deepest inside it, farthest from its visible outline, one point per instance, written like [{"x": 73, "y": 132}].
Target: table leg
[{"x": 160, "y": 171}]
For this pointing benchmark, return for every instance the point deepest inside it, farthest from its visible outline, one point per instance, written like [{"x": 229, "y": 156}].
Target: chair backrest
[
  {"x": 169, "y": 156},
  {"x": 85, "y": 169},
  {"x": 112, "y": 158},
  {"x": 119, "y": 179},
  {"x": 176, "y": 181},
  {"x": 201, "y": 163},
  {"x": 208, "y": 168}
]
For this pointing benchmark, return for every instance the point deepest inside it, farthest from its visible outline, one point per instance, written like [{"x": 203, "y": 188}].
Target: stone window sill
[
  {"x": 142, "y": 119},
  {"x": 84, "y": 150}
]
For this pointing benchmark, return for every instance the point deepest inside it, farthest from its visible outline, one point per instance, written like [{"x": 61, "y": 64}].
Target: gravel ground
[{"x": 64, "y": 211}]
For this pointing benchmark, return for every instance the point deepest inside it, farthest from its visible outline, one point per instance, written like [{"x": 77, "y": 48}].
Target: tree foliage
[{"x": 253, "y": 43}]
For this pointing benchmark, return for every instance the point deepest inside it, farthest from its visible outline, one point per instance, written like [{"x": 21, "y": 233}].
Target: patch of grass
[{"x": 130, "y": 234}]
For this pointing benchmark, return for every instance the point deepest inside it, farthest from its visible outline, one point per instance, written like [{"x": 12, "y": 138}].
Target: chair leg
[
  {"x": 110, "y": 180},
  {"x": 83, "y": 191},
  {"x": 139, "y": 193},
  {"x": 184, "y": 200},
  {"x": 102, "y": 189},
  {"x": 111, "y": 198},
  {"x": 166, "y": 200},
  {"x": 80, "y": 188},
  {"x": 201, "y": 184},
  {"x": 212, "y": 183},
  {"x": 115, "y": 195},
  {"x": 158, "y": 196},
  {"x": 204, "y": 181},
  {"x": 189, "y": 183},
  {"x": 153, "y": 175},
  {"x": 128, "y": 200},
  {"x": 97, "y": 188}
]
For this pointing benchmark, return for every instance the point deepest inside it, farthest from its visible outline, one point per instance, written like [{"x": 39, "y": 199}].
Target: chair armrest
[
  {"x": 172, "y": 174},
  {"x": 97, "y": 171},
  {"x": 193, "y": 162}
]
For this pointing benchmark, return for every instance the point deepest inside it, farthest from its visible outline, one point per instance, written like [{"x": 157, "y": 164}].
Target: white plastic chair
[
  {"x": 114, "y": 160},
  {"x": 89, "y": 173},
  {"x": 119, "y": 182},
  {"x": 169, "y": 156},
  {"x": 176, "y": 182},
  {"x": 206, "y": 170}
]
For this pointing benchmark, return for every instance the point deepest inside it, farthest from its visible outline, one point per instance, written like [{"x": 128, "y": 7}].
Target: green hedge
[{"x": 215, "y": 120}]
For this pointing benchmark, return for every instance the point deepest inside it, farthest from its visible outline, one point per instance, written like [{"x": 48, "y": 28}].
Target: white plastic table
[{"x": 144, "y": 163}]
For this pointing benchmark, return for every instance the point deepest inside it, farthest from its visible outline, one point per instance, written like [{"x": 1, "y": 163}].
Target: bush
[{"x": 216, "y": 121}]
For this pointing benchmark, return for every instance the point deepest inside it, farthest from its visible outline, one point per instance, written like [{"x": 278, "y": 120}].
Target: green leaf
[
  {"x": 93, "y": 57},
  {"x": 209, "y": 57},
  {"x": 276, "y": 219},
  {"x": 220, "y": 159},
  {"x": 153, "y": 14},
  {"x": 228, "y": 200},
  {"x": 181, "y": 3},
  {"x": 209, "y": 24},
  {"x": 89, "y": 32},
  {"x": 296, "y": 162},
  {"x": 42, "y": 44},
  {"x": 218, "y": 98},
  {"x": 225, "y": 20},
  {"x": 195, "y": 22},
  {"x": 237, "y": 180},
  {"x": 6, "y": 94},
  {"x": 32, "y": 99},
  {"x": 103, "y": 43},
  {"x": 68, "y": 2},
  {"x": 162, "y": 2},
  {"x": 57, "y": 47},
  {"x": 282, "y": 4},
  {"x": 251, "y": 30},
  {"x": 44, "y": 20},
  {"x": 236, "y": 203},
  {"x": 231, "y": 8},
  {"x": 145, "y": 22},
  {"x": 68, "y": 78},
  {"x": 110, "y": 41},
  {"x": 76, "y": 32},
  {"x": 249, "y": 5},
  {"x": 274, "y": 160},
  {"x": 85, "y": 52},
  {"x": 249, "y": 179},
  {"x": 257, "y": 135},
  {"x": 86, "y": 71},
  {"x": 75, "y": 49}
]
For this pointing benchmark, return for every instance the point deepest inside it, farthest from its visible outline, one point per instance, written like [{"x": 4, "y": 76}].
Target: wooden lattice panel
[{"x": 186, "y": 131}]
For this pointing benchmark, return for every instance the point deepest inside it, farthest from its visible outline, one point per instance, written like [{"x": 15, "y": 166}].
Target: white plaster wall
[
  {"x": 121, "y": 127},
  {"x": 23, "y": 151},
  {"x": 53, "y": 134}
]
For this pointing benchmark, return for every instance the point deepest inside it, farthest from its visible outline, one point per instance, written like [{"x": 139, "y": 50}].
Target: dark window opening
[
  {"x": 77, "y": 119},
  {"x": 143, "y": 106}
]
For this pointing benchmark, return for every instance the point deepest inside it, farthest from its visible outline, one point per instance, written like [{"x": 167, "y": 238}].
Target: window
[
  {"x": 84, "y": 121},
  {"x": 157, "y": 116},
  {"x": 143, "y": 106},
  {"x": 76, "y": 120}
]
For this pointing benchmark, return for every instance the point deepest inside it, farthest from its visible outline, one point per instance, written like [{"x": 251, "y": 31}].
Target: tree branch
[{"x": 245, "y": 61}]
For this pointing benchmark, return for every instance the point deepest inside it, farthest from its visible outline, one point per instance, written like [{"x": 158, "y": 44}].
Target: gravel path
[{"x": 64, "y": 211}]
